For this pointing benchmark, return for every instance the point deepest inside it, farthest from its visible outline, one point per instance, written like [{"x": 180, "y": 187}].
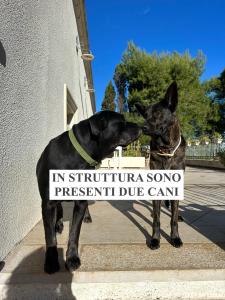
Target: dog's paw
[
  {"x": 87, "y": 219},
  {"x": 177, "y": 242},
  {"x": 180, "y": 218},
  {"x": 154, "y": 244},
  {"x": 72, "y": 263},
  {"x": 51, "y": 260},
  {"x": 59, "y": 226}
]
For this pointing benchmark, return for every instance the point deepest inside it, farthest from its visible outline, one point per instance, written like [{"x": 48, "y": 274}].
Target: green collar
[{"x": 81, "y": 150}]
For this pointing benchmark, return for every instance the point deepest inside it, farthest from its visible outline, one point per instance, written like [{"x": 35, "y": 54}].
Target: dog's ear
[
  {"x": 171, "y": 97},
  {"x": 97, "y": 124},
  {"x": 141, "y": 109}
]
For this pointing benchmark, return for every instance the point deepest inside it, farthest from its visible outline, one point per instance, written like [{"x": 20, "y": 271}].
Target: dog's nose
[{"x": 145, "y": 128}]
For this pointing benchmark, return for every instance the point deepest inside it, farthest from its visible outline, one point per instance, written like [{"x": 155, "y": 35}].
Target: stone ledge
[
  {"x": 205, "y": 163},
  {"x": 144, "y": 290},
  {"x": 202, "y": 275}
]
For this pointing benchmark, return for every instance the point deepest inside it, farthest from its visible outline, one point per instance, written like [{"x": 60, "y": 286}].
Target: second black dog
[{"x": 167, "y": 152}]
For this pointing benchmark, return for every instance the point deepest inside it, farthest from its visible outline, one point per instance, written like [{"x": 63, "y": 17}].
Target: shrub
[
  {"x": 221, "y": 155},
  {"x": 205, "y": 138},
  {"x": 217, "y": 135}
]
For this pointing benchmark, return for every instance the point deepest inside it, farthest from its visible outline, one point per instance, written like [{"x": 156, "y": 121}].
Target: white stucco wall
[{"x": 39, "y": 38}]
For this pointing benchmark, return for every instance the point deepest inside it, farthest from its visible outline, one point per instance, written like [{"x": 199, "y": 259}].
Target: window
[{"x": 70, "y": 109}]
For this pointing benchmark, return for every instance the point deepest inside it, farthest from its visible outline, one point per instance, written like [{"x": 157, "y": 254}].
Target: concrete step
[
  {"x": 119, "y": 271},
  {"x": 105, "y": 285}
]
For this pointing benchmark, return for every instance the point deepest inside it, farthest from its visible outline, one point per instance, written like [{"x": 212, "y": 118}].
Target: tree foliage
[
  {"x": 215, "y": 89},
  {"x": 221, "y": 93},
  {"x": 143, "y": 77},
  {"x": 120, "y": 80},
  {"x": 108, "y": 102}
]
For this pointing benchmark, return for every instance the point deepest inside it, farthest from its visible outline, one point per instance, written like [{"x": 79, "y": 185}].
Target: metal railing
[{"x": 208, "y": 151}]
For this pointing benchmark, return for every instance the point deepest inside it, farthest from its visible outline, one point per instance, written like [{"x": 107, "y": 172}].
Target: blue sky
[{"x": 162, "y": 25}]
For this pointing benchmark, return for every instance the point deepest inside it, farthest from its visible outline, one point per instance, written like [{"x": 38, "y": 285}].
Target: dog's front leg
[
  {"x": 87, "y": 216},
  {"x": 155, "y": 241},
  {"x": 72, "y": 257},
  {"x": 59, "y": 218},
  {"x": 49, "y": 220},
  {"x": 175, "y": 239}
]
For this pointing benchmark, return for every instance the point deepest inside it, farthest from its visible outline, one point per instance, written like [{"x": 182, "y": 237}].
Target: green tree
[
  {"x": 215, "y": 89},
  {"x": 120, "y": 80},
  {"x": 221, "y": 102},
  {"x": 108, "y": 102},
  {"x": 222, "y": 85},
  {"x": 147, "y": 76}
]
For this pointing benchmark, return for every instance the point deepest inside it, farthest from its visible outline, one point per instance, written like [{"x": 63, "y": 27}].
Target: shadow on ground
[
  {"x": 128, "y": 210},
  {"x": 38, "y": 285},
  {"x": 203, "y": 209},
  {"x": 28, "y": 280}
]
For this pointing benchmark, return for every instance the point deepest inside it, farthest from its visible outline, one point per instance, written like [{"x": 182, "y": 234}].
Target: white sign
[{"x": 116, "y": 184}]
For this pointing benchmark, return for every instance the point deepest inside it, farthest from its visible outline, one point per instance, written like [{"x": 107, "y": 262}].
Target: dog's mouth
[
  {"x": 150, "y": 131},
  {"x": 125, "y": 144},
  {"x": 131, "y": 138},
  {"x": 147, "y": 131}
]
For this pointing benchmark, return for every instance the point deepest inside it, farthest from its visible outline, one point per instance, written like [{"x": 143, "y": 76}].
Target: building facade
[{"x": 45, "y": 88}]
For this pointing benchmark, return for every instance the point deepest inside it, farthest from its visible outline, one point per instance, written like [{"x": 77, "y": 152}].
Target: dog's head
[
  {"x": 160, "y": 117},
  {"x": 110, "y": 129}
]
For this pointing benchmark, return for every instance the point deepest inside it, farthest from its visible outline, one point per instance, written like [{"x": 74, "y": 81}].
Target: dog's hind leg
[
  {"x": 180, "y": 218},
  {"x": 49, "y": 220},
  {"x": 87, "y": 216},
  {"x": 175, "y": 239},
  {"x": 168, "y": 204},
  {"x": 155, "y": 241},
  {"x": 72, "y": 257},
  {"x": 59, "y": 218}
]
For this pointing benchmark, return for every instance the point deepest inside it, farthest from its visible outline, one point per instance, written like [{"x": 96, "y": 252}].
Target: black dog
[
  {"x": 99, "y": 136},
  {"x": 167, "y": 152}
]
